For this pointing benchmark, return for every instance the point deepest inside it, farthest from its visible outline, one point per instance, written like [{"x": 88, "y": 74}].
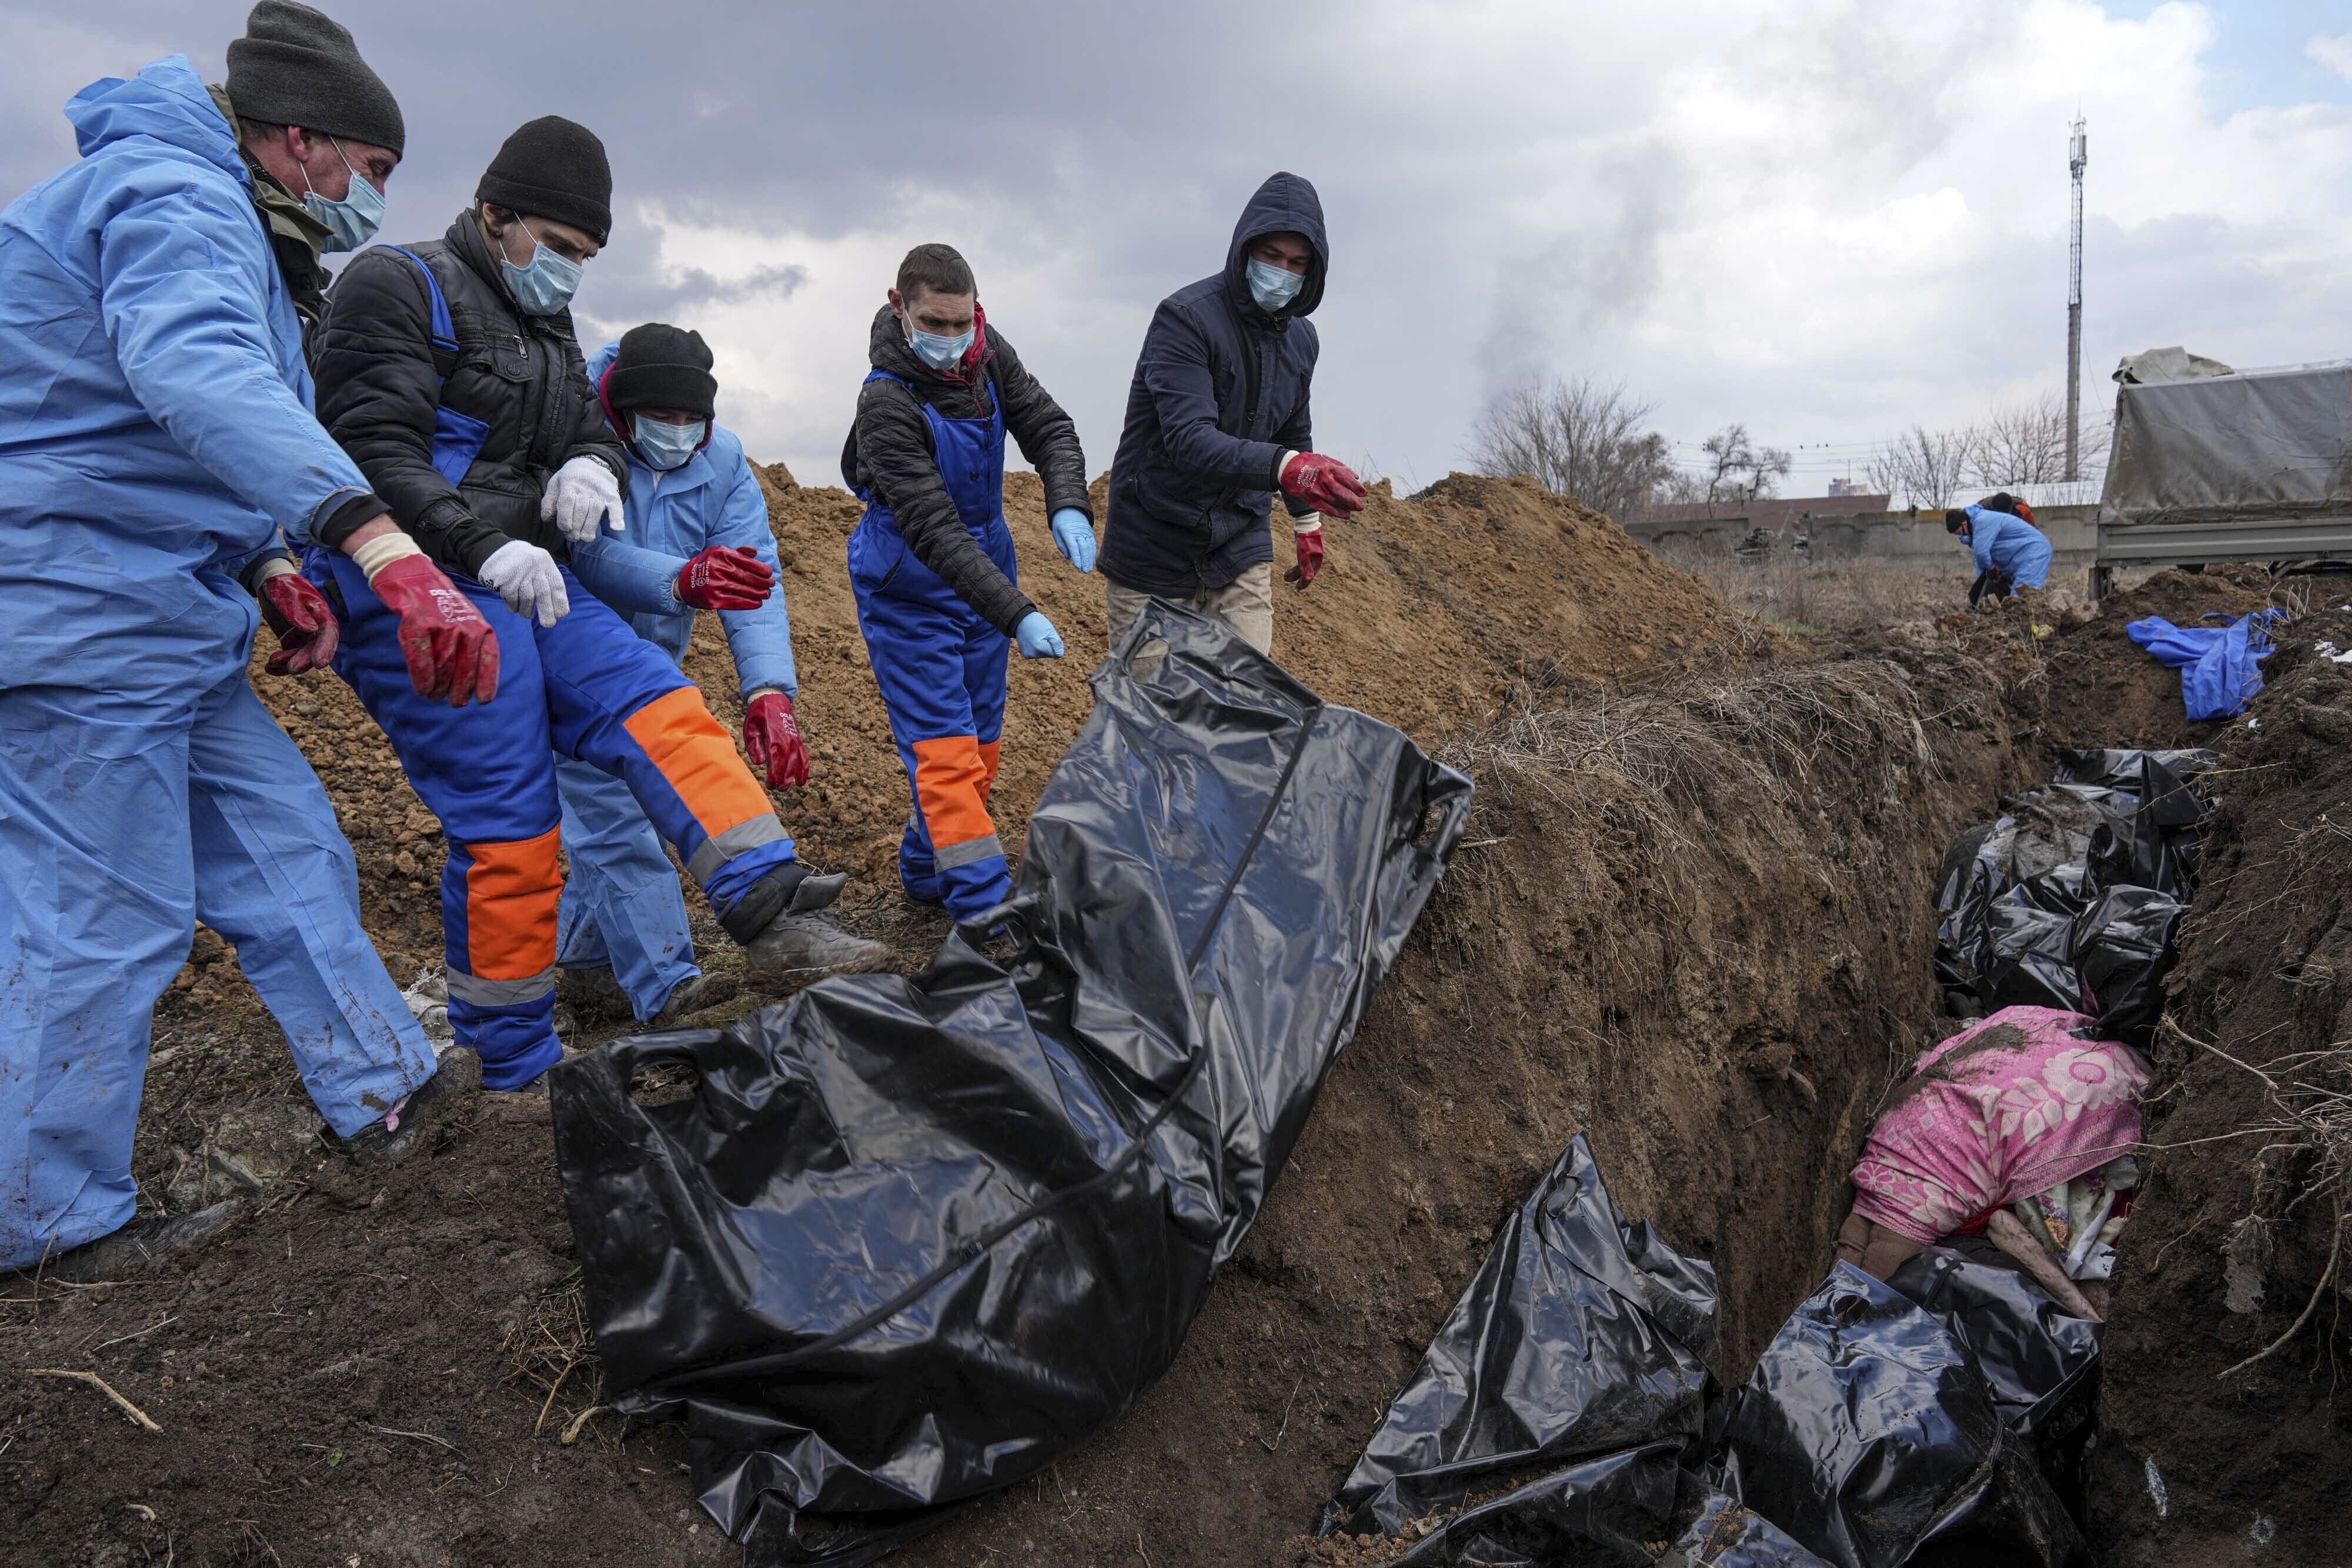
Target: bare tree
[
  {"x": 2025, "y": 443},
  {"x": 1576, "y": 438},
  {"x": 1736, "y": 469},
  {"x": 1924, "y": 468}
]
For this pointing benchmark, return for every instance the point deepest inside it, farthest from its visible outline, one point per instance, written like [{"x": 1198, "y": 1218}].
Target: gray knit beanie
[{"x": 297, "y": 66}]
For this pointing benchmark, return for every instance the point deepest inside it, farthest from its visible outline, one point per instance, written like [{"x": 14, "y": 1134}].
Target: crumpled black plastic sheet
[
  {"x": 1870, "y": 1435},
  {"x": 907, "y": 1239},
  {"x": 2039, "y": 1361},
  {"x": 2031, "y": 906},
  {"x": 1725, "y": 1533},
  {"x": 1583, "y": 1333}
]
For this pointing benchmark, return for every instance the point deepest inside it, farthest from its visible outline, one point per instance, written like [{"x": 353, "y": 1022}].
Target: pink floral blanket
[{"x": 2011, "y": 1105}]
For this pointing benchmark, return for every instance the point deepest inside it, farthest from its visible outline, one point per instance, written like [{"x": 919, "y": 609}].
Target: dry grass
[
  {"x": 1789, "y": 591},
  {"x": 1677, "y": 750},
  {"x": 2304, "y": 1161},
  {"x": 550, "y": 1348}
]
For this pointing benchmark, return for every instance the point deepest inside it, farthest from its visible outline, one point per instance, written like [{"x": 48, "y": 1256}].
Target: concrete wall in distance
[{"x": 1900, "y": 538}]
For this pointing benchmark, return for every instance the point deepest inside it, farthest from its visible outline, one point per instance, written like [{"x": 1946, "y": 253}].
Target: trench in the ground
[{"x": 1714, "y": 977}]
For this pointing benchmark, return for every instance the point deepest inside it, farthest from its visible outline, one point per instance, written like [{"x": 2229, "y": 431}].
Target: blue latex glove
[
  {"x": 1075, "y": 537},
  {"x": 1037, "y": 638}
]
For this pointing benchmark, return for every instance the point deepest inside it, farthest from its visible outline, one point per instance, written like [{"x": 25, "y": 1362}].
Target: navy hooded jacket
[{"x": 1220, "y": 394}]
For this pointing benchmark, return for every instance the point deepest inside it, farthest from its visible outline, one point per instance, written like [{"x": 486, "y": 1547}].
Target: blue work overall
[{"x": 941, "y": 666}]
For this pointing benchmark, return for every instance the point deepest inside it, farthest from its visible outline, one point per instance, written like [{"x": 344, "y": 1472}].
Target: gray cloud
[{"x": 1510, "y": 185}]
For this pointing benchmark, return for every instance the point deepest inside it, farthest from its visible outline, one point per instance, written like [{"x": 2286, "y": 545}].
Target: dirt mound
[
  {"x": 2234, "y": 1247},
  {"x": 1427, "y": 611}
]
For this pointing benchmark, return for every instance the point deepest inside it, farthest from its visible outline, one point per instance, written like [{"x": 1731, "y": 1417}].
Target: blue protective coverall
[
  {"x": 942, "y": 667},
  {"x": 622, "y": 902},
  {"x": 2011, "y": 545},
  {"x": 587, "y": 688},
  {"x": 155, "y": 433}
]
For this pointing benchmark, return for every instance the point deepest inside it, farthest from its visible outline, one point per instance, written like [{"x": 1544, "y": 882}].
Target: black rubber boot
[{"x": 133, "y": 1248}]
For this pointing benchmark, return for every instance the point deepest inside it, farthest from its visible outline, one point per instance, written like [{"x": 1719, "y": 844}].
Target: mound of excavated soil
[
  {"x": 1425, "y": 612},
  {"x": 2233, "y": 1242}
]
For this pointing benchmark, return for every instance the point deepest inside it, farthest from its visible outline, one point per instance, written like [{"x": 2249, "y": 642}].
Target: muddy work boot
[
  {"x": 782, "y": 933},
  {"x": 692, "y": 995},
  {"x": 593, "y": 993},
  {"x": 137, "y": 1245},
  {"x": 408, "y": 1126}
]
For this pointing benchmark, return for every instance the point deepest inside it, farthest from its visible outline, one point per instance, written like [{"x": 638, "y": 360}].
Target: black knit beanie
[
  {"x": 1954, "y": 520},
  {"x": 553, "y": 168},
  {"x": 661, "y": 366},
  {"x": 296, "y": 67}
]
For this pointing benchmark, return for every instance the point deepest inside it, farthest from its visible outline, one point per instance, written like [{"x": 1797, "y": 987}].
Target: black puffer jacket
[
  {"x": 1220, "y": 394},
  {"x": 521, "y": 376},
  {"x": 890, "y": 451}
]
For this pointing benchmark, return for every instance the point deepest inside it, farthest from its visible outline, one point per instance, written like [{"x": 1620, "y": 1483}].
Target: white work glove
[
  {"x": 581, "y": 495},
  {"x": 526, "y": 577}
]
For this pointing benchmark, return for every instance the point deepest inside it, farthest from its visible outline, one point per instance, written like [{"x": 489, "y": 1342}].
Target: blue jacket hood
[
  {"x": 1286, "y": 202},
  {"x": 167, "y": 102}
]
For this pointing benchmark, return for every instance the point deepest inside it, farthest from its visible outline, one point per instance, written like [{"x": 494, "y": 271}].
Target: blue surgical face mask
[
  {"x": 352, "y": 222},
  {"x": 937, "y": 349},
  {"x": 1273, "y": 287},
  {"x": 667, "y": 446},
  {"x": 546, "y": 285}
]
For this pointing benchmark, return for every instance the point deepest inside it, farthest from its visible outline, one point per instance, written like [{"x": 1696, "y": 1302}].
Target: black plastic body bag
[
  {"x": 908, "y": 1239},
  {"x": 2070, "y": 899},
  {"x": 1577, "y": 1350}
]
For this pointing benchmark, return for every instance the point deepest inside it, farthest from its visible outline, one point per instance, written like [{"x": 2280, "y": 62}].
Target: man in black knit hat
[{"x": 450, "y": 372}]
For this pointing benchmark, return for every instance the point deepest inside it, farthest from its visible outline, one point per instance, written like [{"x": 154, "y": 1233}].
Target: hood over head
[
  {"x": 167, "y": 101},
  {"x": 1286, "y": 202}
]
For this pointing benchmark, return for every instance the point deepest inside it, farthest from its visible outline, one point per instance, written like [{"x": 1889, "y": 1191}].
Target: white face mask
[
  {"x": 1273, "y": 287},
  {"x": 352, "y": 222}
]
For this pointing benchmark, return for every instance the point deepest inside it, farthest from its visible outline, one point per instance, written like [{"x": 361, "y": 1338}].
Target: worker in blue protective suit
[
  {"x": 2011, "y": 553},
  {"x": 155, "y": 438},
  {"x": 698, "y": 538},
  {"x": 932, "y": 563}
]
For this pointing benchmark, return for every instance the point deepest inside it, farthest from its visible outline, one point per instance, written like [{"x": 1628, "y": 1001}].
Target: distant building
[{"x": 1781, "y": 513}]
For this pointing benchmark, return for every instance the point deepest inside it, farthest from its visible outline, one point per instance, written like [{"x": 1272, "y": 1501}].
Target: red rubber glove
[
  {"x": 1326, "y": 484},
  {"x": 451, "y": 650},
  {"x": 773, "y": 737},
  {"x": 724, "y": 578},
  {"x": 304, "y": 622},
  {"x": 1311, "y": 557}
]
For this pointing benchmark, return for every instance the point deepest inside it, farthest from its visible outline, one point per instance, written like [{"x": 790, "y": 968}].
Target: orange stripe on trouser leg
[
  {"x": 988, "y": 751},
  {"x": 511, "y": 890},
  {"x": 699, "y": 760},
  {"x": 952, "y": 782}
]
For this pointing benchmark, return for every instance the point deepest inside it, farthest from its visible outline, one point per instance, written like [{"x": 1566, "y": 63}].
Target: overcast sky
[{"x": 1828, "y": 220}]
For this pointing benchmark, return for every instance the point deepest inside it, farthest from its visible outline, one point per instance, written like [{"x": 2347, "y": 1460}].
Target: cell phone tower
[{"x": 2077, "y": 154}]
